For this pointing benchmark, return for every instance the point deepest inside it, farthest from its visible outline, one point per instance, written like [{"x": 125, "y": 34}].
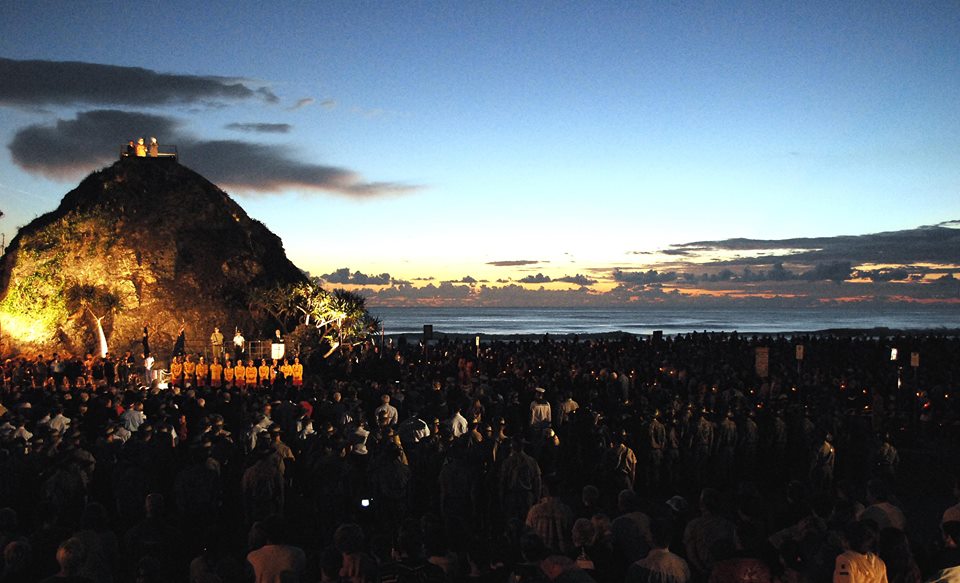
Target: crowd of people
[{"x": 619, "y": 459}]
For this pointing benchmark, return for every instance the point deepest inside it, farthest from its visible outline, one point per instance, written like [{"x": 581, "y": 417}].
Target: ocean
[{"x": 644, "y": 320}]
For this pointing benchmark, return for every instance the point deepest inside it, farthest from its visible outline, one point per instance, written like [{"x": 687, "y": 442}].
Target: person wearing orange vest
[
  {"x": 189, "y": 371},
  {"x": 203, "y": 369},
  {"x": 228, "y": 372},
  {"x": 297, "y": 372},
  {"x": 287, "y": 370},
  {"x": 274, "y": 369},
  {"x": 216, "y": 372},
  {"x": 240, "y": 374},
  {"x": 264, "y": 371},
  {"x": 176, "y": 372},
  {"x": 250, "y": 373}
]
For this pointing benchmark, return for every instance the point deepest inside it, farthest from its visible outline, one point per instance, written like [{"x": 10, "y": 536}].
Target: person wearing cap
[
  {"x": 216, "y": 342},
  {"x": 540, "y": 411},
  {"x": 154, "y": 148}
]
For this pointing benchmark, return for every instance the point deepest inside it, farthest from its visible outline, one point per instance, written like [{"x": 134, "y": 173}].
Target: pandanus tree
[{"x": 340, "y": 317}]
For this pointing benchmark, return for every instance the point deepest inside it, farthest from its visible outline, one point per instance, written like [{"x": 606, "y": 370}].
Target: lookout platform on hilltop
[{"x": 165, "y": 151}]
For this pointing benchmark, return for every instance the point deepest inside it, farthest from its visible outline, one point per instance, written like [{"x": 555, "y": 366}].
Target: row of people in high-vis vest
[{"x": 185, "y": 371}]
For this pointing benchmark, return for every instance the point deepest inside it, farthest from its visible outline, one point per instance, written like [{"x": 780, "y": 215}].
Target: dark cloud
[
  {"x": 898, "y": 274},
  {"x": 267, "y": 168},
  {"x": 927, "y": 244},
  {"x": 261, "y": 128},
  {"x": 94, "y": 138},
  {"x": 343, "y": 276},
  {"x": 38, "y": 83},
  {"x": 538, "y": 278},
  {"x": 466, "y": 279},
  {"x": 643, "y": 277},
  {"x": 577, "y": 279},
  {"x": 513, "y": 262},
  {"x": 837, "y": 271},
  {"x": 446, "y": 291}
]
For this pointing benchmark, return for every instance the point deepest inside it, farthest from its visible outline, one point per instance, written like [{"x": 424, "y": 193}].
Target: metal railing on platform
[{"x": 255, "y": 349}]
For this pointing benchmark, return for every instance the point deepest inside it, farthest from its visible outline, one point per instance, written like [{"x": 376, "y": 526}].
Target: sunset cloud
[
  {"x": 643, "y": 277},
  {"x": 576, "y": 279},
  {"x": 514, "y": 262},
  {"x": 538, "y": 278},
  {"x": 343, "y": 276}
]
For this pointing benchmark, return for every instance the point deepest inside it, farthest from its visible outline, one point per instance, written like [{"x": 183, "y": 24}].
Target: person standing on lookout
[
  {"x": 238, "y": 341},
  {"x": 141, "y": 149},
  {"x": 154, "y": 148},
  {"x": 216, "y": 342}
]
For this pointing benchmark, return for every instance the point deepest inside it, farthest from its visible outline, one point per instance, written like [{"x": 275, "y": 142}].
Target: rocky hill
[{"x": 145, "y": 241}]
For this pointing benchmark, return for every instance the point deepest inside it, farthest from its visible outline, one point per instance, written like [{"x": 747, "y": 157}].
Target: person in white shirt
[
  {"x": 133, "y": 417},
  {"x": 58, "y": 422},
  {"x": 540, "y": 411},
  {"x": 458, "y": 423},
  {"x": 391, "y": 412}
]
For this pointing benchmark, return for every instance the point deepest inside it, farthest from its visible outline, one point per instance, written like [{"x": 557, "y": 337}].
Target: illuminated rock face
[{"x": 143, "y": 242}]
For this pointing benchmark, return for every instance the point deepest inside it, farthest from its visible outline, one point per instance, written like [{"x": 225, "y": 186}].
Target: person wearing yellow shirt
[
  {"x": 287, "y": 370},
  {"x": 176, "y": 372},
  {"x": 203, "y": 369},
  {"x": 228, "y": 372},
  {"x": 240, "y": 374},
  {"x": 189, "y": 371},
  {"x": 297, "y": 372},
  {"x": 250, "y": 374},
  {"x": 264, "y": 371},
  {"x": 216, "y": 373}
]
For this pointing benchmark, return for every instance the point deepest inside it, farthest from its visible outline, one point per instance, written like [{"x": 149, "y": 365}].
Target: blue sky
[{"x": 566, "y": 135}]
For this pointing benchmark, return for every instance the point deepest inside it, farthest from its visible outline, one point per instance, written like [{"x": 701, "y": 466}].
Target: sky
[{"x": 555, "y": 153}]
